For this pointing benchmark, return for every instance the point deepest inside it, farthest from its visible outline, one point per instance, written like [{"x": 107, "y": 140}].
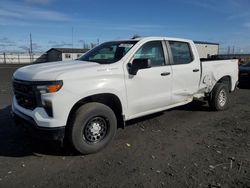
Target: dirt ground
[{"x": 188, "y": 146}]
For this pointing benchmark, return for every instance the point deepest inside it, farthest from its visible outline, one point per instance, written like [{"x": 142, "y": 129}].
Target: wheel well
[
  {"x": 227, "y": 81},
  {"x": 108, "y": 99}
]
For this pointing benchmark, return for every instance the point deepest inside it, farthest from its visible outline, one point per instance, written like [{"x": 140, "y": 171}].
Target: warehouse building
[
  {"x": 64, "y": 54},
  {"x": 207, "y": 49}
]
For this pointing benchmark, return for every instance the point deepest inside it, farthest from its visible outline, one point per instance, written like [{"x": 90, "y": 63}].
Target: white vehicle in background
[{"x": 86, "y": 100}]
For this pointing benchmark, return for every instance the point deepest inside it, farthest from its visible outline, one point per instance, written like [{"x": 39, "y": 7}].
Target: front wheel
[
  {"x": 219, "y": 97},
  {"x": 92, "y": 127}
]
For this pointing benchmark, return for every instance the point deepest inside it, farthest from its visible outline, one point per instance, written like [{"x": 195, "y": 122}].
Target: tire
[
  {"x": 219, "y": 97},
  {"x": 92, "y": 127}
]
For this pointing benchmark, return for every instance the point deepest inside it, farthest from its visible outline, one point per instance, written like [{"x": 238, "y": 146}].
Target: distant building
[
  {"x": 207, "y": 49},
  {"x": 64, "y": 54}
]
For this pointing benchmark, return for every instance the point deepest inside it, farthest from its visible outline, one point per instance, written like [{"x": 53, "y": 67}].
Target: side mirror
[{"x": 138, "y": 64}]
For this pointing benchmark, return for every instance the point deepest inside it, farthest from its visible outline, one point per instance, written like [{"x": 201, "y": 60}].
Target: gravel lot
[{"x": 188, "y": 146}]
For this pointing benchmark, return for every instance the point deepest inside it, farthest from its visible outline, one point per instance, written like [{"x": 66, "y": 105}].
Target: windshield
[{"x": 108, "y": 52}]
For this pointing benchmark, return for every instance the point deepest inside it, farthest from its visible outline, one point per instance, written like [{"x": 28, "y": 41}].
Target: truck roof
[{"x": 157, "y": 38}]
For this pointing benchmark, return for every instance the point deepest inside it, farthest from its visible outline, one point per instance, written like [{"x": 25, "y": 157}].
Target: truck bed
[{"x": 214, "y": 70}]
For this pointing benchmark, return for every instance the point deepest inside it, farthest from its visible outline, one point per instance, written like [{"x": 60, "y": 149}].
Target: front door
[{"x": 150, "y": 89}]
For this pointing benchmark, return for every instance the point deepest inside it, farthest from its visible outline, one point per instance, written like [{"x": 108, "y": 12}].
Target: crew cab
[{"x": 84, "y": 101}]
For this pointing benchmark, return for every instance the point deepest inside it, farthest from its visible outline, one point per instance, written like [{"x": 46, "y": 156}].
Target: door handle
[
  {"x": 165, "y": 73},
  {"x": 196, "y": 70}
]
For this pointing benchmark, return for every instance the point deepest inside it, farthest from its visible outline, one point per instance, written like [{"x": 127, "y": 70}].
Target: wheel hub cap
[
  {"x": 95, "y": 130},
  {"x": 222, "y": 98}
]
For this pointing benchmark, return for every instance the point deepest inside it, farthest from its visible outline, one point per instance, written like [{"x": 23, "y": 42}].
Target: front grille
[{"x": 25, "y": 94}]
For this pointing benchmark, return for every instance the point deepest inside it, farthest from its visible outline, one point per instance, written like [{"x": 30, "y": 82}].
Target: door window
[
  {"x": 181, "y": 52},
  {"x": 153, "y": 51}
]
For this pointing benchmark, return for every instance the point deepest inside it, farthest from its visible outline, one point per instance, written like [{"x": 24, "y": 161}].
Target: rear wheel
[
  {"x": 219, "y": 97},
  {"x": 92, "y": 127}
]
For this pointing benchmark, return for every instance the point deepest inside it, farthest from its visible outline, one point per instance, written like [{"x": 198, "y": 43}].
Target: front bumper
[
  {"x": 39, "y": 116},
  {"x": 35, "y": 131}
]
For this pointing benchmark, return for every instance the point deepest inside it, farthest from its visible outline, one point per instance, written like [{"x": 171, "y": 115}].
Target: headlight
[{"x": 49, "y": 87}]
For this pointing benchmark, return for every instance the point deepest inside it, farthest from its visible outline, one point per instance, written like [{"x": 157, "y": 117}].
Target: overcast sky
[{"x": 51, "y": 21}]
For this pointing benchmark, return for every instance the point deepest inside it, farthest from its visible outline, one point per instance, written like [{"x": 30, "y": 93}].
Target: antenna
[
  {"x": 228, "y": 50},
  {"x": 31, "y": 49},
  {"x": 72, "y": 38},
  {"x": 31, "y": 44},
  {"x": 72, "y": 35}
]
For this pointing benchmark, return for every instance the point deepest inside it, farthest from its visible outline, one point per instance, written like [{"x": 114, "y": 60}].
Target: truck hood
[{"x": 50, "y": 71}]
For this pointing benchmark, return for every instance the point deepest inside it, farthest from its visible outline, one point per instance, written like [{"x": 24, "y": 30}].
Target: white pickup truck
[{"x": 84, "y": 101}]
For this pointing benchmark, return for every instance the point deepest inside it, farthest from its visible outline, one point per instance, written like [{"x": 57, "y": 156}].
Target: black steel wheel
[
  {"x": 92, "y": 127},
  {"x": 96, "y": 129}
]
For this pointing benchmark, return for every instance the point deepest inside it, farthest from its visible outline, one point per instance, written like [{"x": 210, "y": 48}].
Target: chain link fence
[{"x": 22, "y": 58}]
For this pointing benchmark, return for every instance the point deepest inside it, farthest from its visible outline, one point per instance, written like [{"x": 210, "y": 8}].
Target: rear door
[{"x": 185, "y": 71}]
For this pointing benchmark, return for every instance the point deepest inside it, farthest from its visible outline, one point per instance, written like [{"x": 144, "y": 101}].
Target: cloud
[
  {"x": 56, "y": 44},
  {"x": 247, "y": 25},
  {"x": 209, "y": 5},
  {"x": 147, "y": 26},
  {"x": 35, "y": 47},
  {"x": 24, "y": 47},
  {"x": 6, "y": 42},
  {"x": 6, "y": 45},
  {"x": 15, "y": 22},
  {"x": 49, "y": 15},
  {"x": 8, "y": 13},
  {"x": 12, "y": 14},
  {"x": 132, "y": 27},
  {"x": 41, "y": 2},
  {"x": 10, "y": 45},
  {"x": 239, "y": 16}
]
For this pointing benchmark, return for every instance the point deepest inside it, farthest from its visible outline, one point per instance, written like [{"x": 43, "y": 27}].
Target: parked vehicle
[
  {"x": 244, "y": 74},
  {"x": 86, "y": 100}
]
